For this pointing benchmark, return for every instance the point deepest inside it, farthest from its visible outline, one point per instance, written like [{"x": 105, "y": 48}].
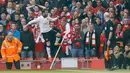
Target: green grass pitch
[{"x": 66, "y": 71}]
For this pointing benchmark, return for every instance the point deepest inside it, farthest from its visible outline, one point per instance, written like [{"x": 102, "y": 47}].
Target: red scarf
[
  {"x": 93, "y": 39},
  {"x": 119, "y": 34}
]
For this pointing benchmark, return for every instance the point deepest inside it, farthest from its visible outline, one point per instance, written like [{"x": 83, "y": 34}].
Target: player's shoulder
[{"x": 40, "y": 17}]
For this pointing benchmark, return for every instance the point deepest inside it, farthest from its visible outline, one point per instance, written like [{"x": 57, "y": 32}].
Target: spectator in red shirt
[
  {"x": 2, "y": 2},
  {"x": 54, "y": 15},
  {"x": 99, "y": 6},
  {"x": 57, "y": 11},
  {"x": 119, "y": 35},
  {"x": 40, "y": 44},
  {"x": 125, "y": 25},
  {"x": 90, "y": 6},
  {"x": 9, "y": 22}
]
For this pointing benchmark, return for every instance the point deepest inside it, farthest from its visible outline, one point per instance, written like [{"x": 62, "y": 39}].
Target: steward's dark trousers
[
  {"x": 126, "y": 62},
  {"x": 9, "y": 65},
  {"x": 109, "y": 64}
]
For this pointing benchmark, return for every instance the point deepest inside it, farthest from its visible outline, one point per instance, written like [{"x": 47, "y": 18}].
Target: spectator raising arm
[
  {"x": 43, "y": 7},
  {"x": 52, "y": 19},
  {"x": 28, "y": 8}
]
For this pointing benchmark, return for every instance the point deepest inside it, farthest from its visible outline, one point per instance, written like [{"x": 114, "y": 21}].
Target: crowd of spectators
[{"x": 93, "y": 25}]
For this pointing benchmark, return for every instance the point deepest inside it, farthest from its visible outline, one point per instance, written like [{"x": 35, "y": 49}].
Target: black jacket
[
  {"x": 2, "y": 37},
  {"x": 27, "y": 40},
  {"x": 126, "y": 36}
]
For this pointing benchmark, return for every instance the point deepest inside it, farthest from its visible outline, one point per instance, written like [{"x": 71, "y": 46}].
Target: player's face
[
  {"x": 10, "y": 36},
  {"x": 45, "y": 14},
  {"x": 126, "y": 48}
]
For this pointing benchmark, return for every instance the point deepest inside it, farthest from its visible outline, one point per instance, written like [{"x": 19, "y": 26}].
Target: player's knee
[
  {"x": 58, "y": 35},
  {"x": 48, "y": 43}
]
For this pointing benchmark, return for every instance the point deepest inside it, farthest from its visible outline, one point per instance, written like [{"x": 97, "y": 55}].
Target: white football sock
[{"x": 48, "y": 52}]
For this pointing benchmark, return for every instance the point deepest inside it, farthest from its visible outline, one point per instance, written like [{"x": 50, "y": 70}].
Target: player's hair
[{"x": 43, "y": 11}]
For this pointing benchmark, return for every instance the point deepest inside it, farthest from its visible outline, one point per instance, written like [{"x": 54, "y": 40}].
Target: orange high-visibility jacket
[{"x": 10, "y": 50}]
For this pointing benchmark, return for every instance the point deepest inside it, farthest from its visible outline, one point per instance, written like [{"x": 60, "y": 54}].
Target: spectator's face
[
  {"x": 89, "y": 14},
  {"x": 36, "y": 9},
  {"x": 63, "y": 21},
  {"x": 76, "y": 21},
  {"x": 73, "y": 3},
  {"x": 106, "y": 16},
  {"x": 46, "y": 4},
  {"x": 8, "y": 17},
  {"x": 76, "y": 14},
  {"x": 21, "y": 16},
  {"x": 119, "y": 27},
  {"x": 126, "y": 48},
  {"x": 83, "y": 22},
  {"x": 125, "y": 15},
  {"x": 86, "y": 9},
  {"x": 52, "y": 12},
  {"x": 40, "y": 12},
  {"x": 23, "y": 22},
  {"x": 13, "y": 27},
  {"x": 65, "y": 9},
  {"x": 91, "y": 27},
  {"x": 73, "y": 22},
  {"x": 17, "y": 8},
  {"x": 62, "y": 14},
  {"x": 111, "y": 4},
  {"x": 98, "y": 20},
  {"x": 126, "y": 11},
  {"x": 52, "y": 25},
  {"x": 122, "y": 13},
  {"x": 99, "y": 3},
  {"x": 3, "y": 16},
  {"x": 87, "y": 20},
  {"x": 116, "y": 48},
  {"x": 1, "y": 27},
  {"x": 89, "y": 3},
  {"x": 32, "y": 2},
  {"x": 10, "y": 5},
  {"x": 17, "y": 17},
  {"x": 55, "y": 9},
  {"x": 112, "y": 17},
  {"x": 77, "y": 10},
  {"x": 78, "y": 4},
  {"x": 77, "y": 28},
  {"x": 111, "y": 10},
  {"x": 10, "y": 36},
  {"x": 25, "y": 28}
]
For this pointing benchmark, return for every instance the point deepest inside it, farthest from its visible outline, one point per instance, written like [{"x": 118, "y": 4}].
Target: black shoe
[{"x": 108, "y": 69}]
